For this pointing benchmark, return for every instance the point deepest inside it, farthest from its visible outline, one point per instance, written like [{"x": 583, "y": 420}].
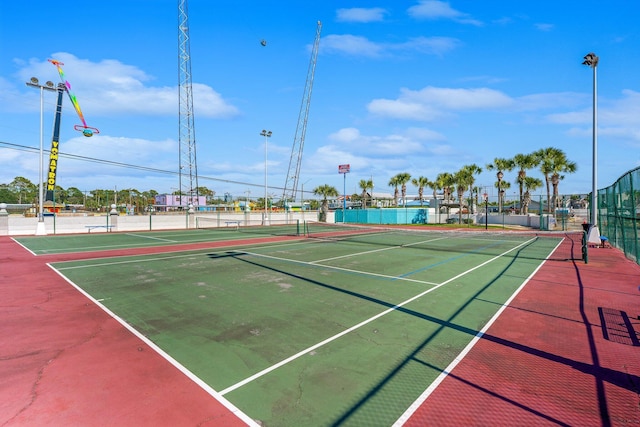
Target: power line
[{"x": 26, "y": 148}]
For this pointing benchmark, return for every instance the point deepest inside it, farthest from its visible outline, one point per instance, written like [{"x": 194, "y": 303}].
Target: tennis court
[
  {"x": 204, "y": 233},
  {"x": 337, "y": 327}
]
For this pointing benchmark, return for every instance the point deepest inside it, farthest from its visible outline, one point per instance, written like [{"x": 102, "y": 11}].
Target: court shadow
[{"x": 600, "y": 374}]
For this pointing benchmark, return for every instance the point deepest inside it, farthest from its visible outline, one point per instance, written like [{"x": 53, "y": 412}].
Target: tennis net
[
  {"x": 269, "y": 227},
  {"x": 458, "y": 240}
]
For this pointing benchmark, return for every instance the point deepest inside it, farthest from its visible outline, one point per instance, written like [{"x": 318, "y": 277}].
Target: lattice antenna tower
[
  {"x": 188, "y": 173},
  {"x": 293, "y": 174}
]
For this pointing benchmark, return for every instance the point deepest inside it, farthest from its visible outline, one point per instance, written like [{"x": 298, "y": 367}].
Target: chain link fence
[{"x": 619, "y": 212}]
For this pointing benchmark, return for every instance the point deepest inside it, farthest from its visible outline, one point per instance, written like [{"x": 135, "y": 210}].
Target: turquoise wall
[{"x": 383, "y": 216}]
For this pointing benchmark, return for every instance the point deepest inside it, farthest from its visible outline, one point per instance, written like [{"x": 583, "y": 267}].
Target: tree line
[
  {"x": 551, "y": 162},
  {"x": 22, "y": 191}
]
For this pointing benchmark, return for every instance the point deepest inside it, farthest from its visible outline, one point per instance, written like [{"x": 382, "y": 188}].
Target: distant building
[{"x": 169, "y": 202}]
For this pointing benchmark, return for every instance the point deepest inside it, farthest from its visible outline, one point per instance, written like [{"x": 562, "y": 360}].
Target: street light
[
  {"x": 591, "y": 60},
  {"x": 50, "y": 87},
  {"x": 266, "y": 134},
  {"x": 486, "y": 211},
  {"x": 500, "y": 175}
]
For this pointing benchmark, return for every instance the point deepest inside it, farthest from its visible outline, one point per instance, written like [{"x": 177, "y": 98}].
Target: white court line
[
  {"x": 180, "y": 254},
  {"x": 231, "y": 407},
  {"x": 151, "y": 237},
  {"x": 361, "y": 324},
  {"x": 432, "y": 387},
  {"x": 375, "y": 250},
  {"x": 86, "y": 249},
  {"x": 128, "y": 261},
  {"x": 24, "y": 247},
  {"x": 348, "y": 270}
]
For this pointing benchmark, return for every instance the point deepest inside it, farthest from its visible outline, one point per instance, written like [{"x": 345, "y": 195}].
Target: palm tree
[
  {"x": 462, "y": 179},
  {"x": 420, "y": 182},
  {"x": 472, "y": 169},
  {"x": 403, "y": 178},
  {"x": 435, "y": 186},
  {"x": 545, "y": 157},
  {"x": 475, "y": 194},
  {"x": 552, "y": 162},
  {"x": 364, "y": 186},
  {"x": 393, "y": 182},
  {"x": 562, "y": 164},
  {"x": 502, "y": 186},
  {"x": 325, "y": 191},
  {"x": 524, "y": 162},
  {"x": 444, "y": 181},
  {"x": 530, "y": 184},
  {"x": 501, "y": 165}
]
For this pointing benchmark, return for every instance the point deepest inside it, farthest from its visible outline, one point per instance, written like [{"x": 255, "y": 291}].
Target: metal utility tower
[
  {"x": 188, "y": 173},
  {"x": 293, "y": 175}
]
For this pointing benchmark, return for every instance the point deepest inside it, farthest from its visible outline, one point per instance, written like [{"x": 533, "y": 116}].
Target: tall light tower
[
  {"x": 33, "y": 82},
  {"x": 188, "y": 173},
  {"x": 293, "y": 173},
  {"x": 591, "y": 60}
]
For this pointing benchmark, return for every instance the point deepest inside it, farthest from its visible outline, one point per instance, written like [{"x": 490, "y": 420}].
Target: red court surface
[{"x": 565, "y": 352}]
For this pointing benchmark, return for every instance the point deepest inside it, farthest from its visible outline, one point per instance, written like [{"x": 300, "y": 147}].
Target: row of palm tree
[{"x": 552, "y": 163}]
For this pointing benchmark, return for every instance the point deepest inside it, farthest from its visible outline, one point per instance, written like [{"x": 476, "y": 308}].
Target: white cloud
[
  {"x": 359, "y": 14},
  {"x": 540, "y": 101},
  {"x": 433, "y": 9},
  {"x": 404, "y": 109},
  {"x": 412, "y": 141},
  {"x": 345, "y": 135},
  {"x": 361, "y": 46},
  {"x": 77, "y": 166},
  {"x": 544, "y": 27},
  {"x": 111, "y": 87},
  {"x": 460, "y": 99},
  {"x": 623, "y": 111},
  {"x": 350, "y": 45},
  {"x": 136, "y": 151},
  {"x": 424, "y": 134},
  {"x": 430, "y": 45},
  {"x": 432, "y": 103},
  {"x": 326, "y": 159}
]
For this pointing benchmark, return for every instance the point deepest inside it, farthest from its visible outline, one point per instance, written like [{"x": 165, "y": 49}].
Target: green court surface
[
  {"x": 42, "y": 245},
  {"x": 316, "y": 332}
]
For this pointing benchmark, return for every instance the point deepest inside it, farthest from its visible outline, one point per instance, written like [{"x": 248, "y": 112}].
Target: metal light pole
[
  {"x": 500, "y": 175},
  {"x": 50, "y": 87},
  {"x": 266, "y": 134},
  {"x": 486, "y": 211},
  {"x": 591, "y": 60}
]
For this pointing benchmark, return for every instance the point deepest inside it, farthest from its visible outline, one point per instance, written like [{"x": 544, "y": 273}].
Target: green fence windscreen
[{"x": 619, "y": 212}]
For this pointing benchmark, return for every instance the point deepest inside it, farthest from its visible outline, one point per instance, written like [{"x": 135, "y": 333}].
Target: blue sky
[{"x": 416, "y": 86}]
